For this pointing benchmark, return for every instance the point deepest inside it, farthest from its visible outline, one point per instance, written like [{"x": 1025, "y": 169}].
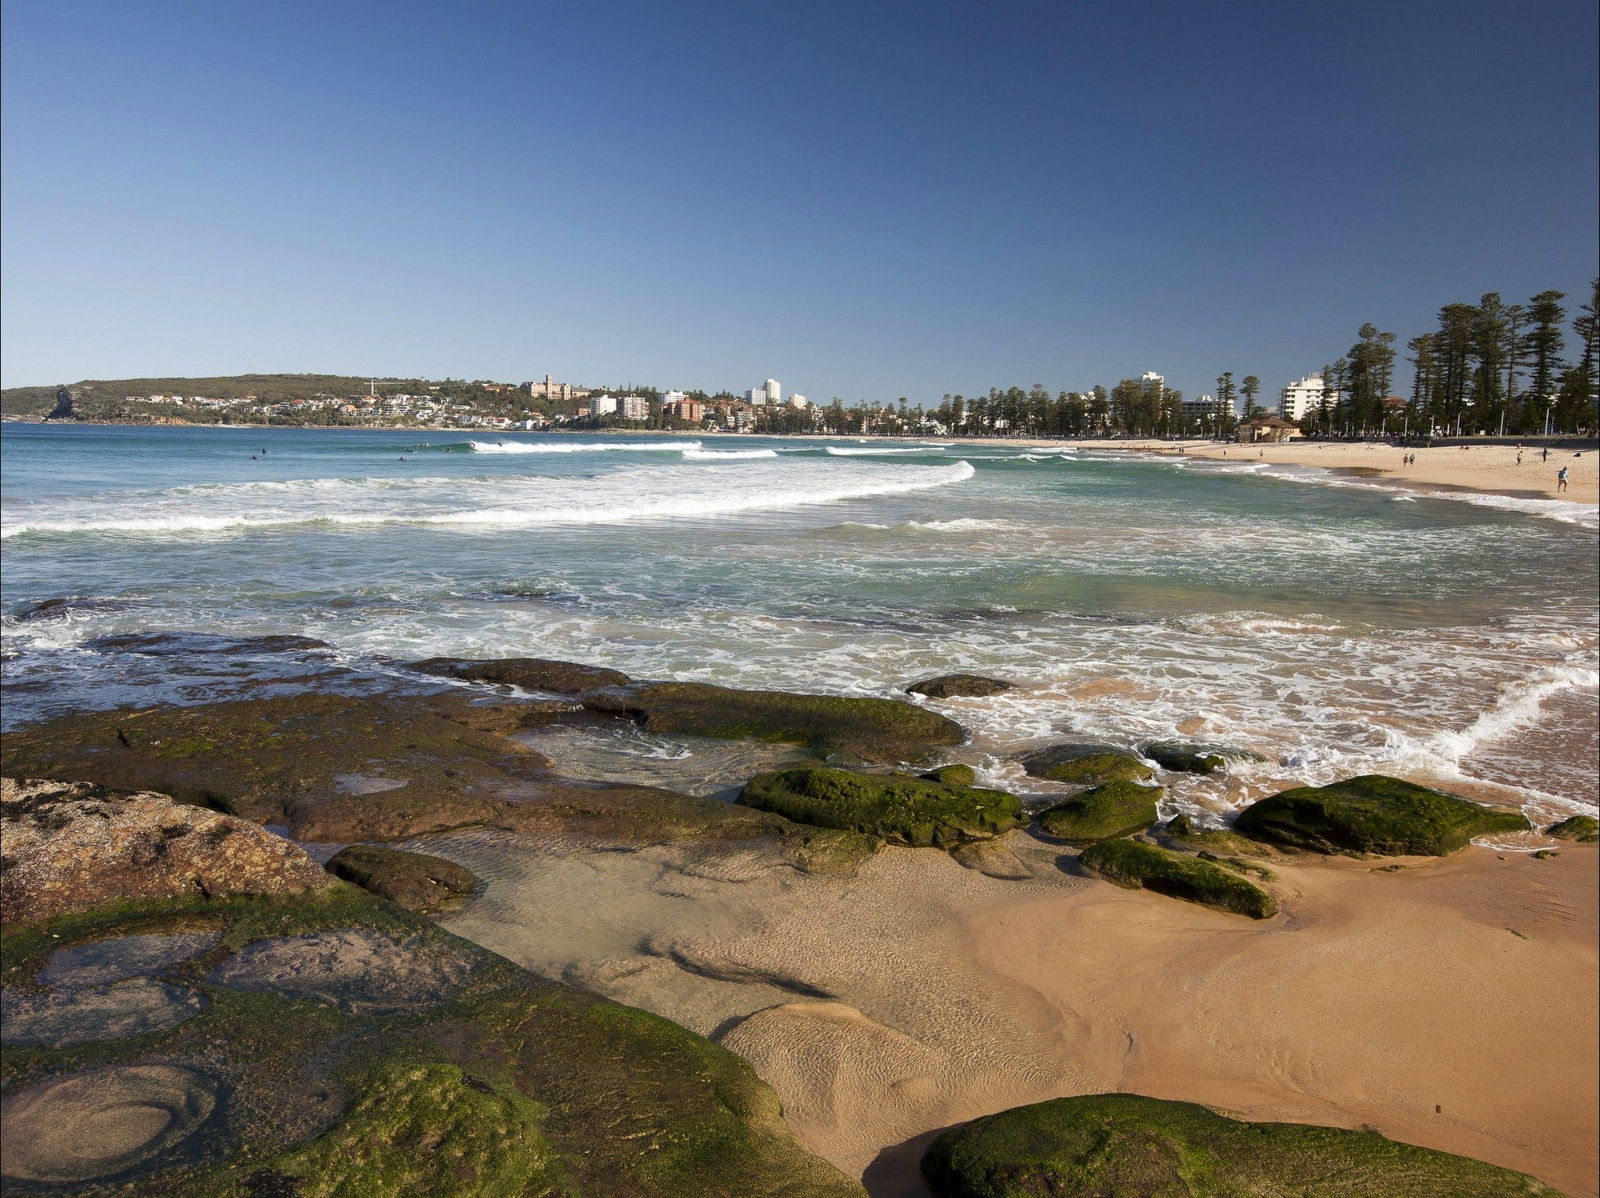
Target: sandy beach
[
  {"x": 1448, "y": 1003},
  {"x": 1493, "y": 469}
]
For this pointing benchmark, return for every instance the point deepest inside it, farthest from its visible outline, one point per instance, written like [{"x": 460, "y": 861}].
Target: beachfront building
[
  {"x": 1300, "y": 398},
  {"x": 550, "y": 389},
  {"x": 799, "y": 402},
  {"x": 773, "y": 391},
  {"x": 679, "y": 406},
  {"x": 1267, "y": 428},
  {"x": 602, "y": 405}
]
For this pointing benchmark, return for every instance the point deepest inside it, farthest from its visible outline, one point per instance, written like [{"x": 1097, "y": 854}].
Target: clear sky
[{"x": 863, "y": 199}]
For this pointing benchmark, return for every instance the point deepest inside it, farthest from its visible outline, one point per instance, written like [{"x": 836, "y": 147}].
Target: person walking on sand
[
  {"x": 1544, "y": 454},
  {"x": 1561, "y": 479}
]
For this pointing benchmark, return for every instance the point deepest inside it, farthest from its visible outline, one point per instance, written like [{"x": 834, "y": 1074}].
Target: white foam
[
  {"x": 582, "y": 446},
  {"x": 1516, "y": 708},
  {"x": 725, "y": 455},
  {"x": 621, "y": 497},
  {"x": 845, "y": 451}
]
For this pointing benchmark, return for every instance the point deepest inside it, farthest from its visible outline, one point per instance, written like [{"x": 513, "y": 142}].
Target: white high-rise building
[
  {"x": 799, "y": 401},
  {"x": 1301, "y": 397},
  {"x": 774, "y": 391},
  {"x": 602, "y": 405},
  {"x": 756, "y": 396},
  {"x": 1160, "y": 380}
]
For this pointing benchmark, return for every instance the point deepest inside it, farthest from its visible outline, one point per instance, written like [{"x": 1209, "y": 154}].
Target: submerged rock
[
  {"x": 1136, "y": 866},
  {"x": 1582, "y": 828},
  {"x": 878, "y": 730},
  {"x": 1115, "y": 809},
  {"x": 900, "y": 808},
  {"x": 1087, "y": 762},
  {"x": 529, "y": 673},
  {"x": 71, "y": 847},
  {"x": 103, "y": 1123},
  {"x": 1129, "y": 1146},
  {"x": 1195, "y": 757},
  {"x": 417, "y": 881},
  {"x": 1374, "y": 814},
  {"x": 89, "y": 1013},
  {"x": 959, "y": 686}
]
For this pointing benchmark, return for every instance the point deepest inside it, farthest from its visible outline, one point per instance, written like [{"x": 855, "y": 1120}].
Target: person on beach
[
  {"x": 1544, "y": 454},
  {"x": 1519, "y": 457},
  {"x": 1561, "y": 479}
]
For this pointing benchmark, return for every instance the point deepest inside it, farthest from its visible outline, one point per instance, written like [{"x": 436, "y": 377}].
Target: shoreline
[{"x": 1478, "y": 469}]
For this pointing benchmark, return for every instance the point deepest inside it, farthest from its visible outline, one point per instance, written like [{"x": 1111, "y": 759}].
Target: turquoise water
[{"x": 1337, "y": 627}]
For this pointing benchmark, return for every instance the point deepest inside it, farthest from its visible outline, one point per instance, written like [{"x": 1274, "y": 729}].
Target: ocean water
[{"x": 1334, "y": 626}]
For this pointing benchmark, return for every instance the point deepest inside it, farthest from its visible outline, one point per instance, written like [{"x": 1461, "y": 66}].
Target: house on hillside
[{"x": 1267, "y": 428}]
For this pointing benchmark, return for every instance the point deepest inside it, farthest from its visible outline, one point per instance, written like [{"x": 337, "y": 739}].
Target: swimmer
[{"x": 255, "y": 457}]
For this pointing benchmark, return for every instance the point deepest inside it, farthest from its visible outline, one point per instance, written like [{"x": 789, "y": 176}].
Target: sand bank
[{"x": 1450, "y": 1004}]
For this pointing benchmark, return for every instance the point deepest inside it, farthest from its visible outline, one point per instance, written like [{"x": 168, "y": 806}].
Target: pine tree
[
  {"x": 1545, "y": 342},
  {"x": 1250, "y": 388}
]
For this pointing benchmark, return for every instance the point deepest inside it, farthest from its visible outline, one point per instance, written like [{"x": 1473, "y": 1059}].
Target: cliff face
[{"x": 63, "y": 409}]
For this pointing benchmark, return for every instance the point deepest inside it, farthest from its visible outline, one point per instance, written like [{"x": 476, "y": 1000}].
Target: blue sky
[{"x": 860, "y": 199}]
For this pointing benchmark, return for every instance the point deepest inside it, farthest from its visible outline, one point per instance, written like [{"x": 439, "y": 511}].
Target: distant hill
[{"x": 100, "y": 397}]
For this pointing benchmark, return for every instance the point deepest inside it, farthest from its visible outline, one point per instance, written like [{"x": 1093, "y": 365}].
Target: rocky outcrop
[
  {"x": 876, "y": 730},
  {"x": 1374, "y": 814},
  {"x": 417, "y": 881},
  {"x": 529, "y": 673},
  {"x": 899, "y": 808},
  {"x": 329, "y": 1043},
  {"x": 1195, "y": 757},
  {"x": 1087, "y": 762},
  {"x": 1115, "y": 809},
  {"x": 71, "y": 847},
  {"x": 1129, "y": 1146},
  {"x": 959, "y": 686},
  {"x": 1137, "y": 866}
]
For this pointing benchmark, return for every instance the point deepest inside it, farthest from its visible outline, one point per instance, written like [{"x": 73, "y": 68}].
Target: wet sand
[
  {"x": 919, "y": 994},
  {"x": 1491, "y": 469}
]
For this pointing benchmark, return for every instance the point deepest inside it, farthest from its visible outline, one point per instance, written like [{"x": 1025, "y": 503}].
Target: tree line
[{"x": 1489, "y": 367}]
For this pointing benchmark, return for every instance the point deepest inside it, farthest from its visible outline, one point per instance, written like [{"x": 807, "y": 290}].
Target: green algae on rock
[
  {"x": 1086, "y": 762},
  {"x": 1129, "y": 1146},
  {"x": 1582, "y": 828},
  {"x": 417, "y": 881},
  {"x": 1115, "y": 809},
  {"x": 900, "y": 808},
  {"x": 1195, "y": 757},
  {"x": 1137, "y": 866},
  {"x": 877, "y": 730},
  {"x": 1374, "y": 814},
  {"x": 349, "y": 1048},
  {"x": 959, "y": 686},
  {"x": 1217, "y": 840}
]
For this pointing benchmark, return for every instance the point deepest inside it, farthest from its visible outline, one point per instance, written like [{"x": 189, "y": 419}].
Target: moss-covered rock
[
  {"x": 1195, "y": 757},
  {"x": 357, "y": 768},
  {"x": 340, "y": 1045},
  {"x": 529, "y": 673},
  {"x": 1129, "y": 1146},
  {"x": 1137, "y": 866},
  {"x": 959, "y": 686},
  {"x": 1582, "y": 828},
  {"x": 878, "y": 730},
  {"x": 333, "y": 768},
  {"x": 953, "y": 775},
  {"x": 1374, "y": 814},
  {"x": 1115, "y": 809},
  {"x": 1215, "y": 840},
  {"x": 1088, "y": 763},
  {"x": 417, "y": 881},
  {"x": 899, "y": 808}
]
